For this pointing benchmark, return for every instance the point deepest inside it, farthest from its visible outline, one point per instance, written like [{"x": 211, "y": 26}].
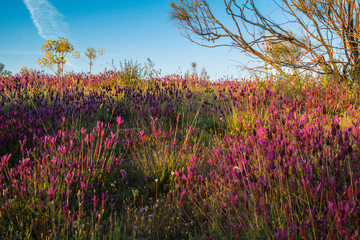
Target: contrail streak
[{"x": 47, "y": 19}]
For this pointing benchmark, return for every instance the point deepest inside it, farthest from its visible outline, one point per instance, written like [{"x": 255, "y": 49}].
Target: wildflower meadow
[{"x": 104, "y": 156}]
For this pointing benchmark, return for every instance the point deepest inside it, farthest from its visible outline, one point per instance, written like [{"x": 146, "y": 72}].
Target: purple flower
[
  {"x": 281, "y": 234},
  {"x": 123, "y": 174},
  {"x": 83, "y": 184},
  {"x": 68, "y": 179},
  {"x": 53, "y": 180},
  {"x": 104, "y": 199},
  {"x": 95, "y": 200},
  {"x": 65, "y": 211},
  {"x": 51, "y": 193},
  {"x": 63, "y": 195}
]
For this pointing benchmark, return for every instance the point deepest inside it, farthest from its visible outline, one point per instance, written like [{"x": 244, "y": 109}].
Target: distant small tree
[
  {"x": 91, "y": 55},
  {"x": 55, "y": 51},
  {"x": 193, "y": 67},
  {"x": 4, "y": 72}
]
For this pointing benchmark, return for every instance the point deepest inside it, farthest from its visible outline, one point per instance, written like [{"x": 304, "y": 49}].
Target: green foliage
[
  {"x": 150, "y": 71},
  {"x": 159, "y": 156},
  {"x": 131, "y": 72},
  {"x": 244, "y": 122}
]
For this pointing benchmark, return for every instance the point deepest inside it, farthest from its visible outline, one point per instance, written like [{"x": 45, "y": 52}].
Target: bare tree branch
[{"x": 327, "y": 39}]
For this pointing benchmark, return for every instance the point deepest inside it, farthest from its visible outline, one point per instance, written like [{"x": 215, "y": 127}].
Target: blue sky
[{"x": 125, "y": 29}]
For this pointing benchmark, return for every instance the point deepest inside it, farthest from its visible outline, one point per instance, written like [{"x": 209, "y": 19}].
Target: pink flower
[
  {"x": 181, "y": 203},
  {"x": 5, "y": 161},
  {"x": 119, "y": 121}
]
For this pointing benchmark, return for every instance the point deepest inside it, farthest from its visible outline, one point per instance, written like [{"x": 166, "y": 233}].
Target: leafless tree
[{"x": 327, "y": 39}]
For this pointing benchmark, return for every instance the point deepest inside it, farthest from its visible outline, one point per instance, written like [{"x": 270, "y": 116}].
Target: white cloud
[{"x": 47, "y": 19}]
